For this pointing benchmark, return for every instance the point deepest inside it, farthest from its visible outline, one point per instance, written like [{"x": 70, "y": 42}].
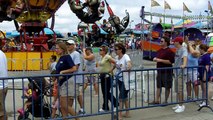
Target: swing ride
[{"x": 32, "y": 15}]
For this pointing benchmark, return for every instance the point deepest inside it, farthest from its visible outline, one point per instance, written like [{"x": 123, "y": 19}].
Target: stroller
[{"x": 38, "y": 106}]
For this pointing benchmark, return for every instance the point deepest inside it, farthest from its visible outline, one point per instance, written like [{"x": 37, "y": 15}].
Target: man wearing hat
[
  {"x": 180, "y": 61},
  {"x": 77, "y": 59}
]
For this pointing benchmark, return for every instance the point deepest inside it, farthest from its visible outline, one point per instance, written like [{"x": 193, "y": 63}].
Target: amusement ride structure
[{"x": 32, "y": 16}]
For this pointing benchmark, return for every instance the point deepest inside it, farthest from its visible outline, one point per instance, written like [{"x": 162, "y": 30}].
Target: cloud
[{"x": 67, "y": 21}]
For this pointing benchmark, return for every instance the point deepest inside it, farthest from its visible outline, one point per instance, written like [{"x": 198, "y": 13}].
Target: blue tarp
[
  {"x": 46, "y": 31},
  {"x": 140, "y": 32}
]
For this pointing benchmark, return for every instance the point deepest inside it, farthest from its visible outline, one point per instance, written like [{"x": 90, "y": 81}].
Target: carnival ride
[
  {"x": 33, "y": 16},
  {"x": 187, "y": 26},
  {"x": 30, "y": 19}
]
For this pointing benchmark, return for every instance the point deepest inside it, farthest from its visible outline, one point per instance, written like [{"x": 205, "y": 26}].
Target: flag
[
  {"x": 185, "y": 8},
  {"x": 154, "y": 3},
  {"x": 166, "y": 5},
  {"x": 160, "y": 20},
  {"x": 210, "y": 7}
]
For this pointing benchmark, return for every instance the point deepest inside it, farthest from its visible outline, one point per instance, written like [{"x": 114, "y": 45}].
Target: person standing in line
[
  {"x": 65, "y": 65},
  {"x": 78, "y": 61},
  {"x": 165, "y": 58},
  {"x": 3, "y": 85},
  {"x": 123, "y": 62},
  {"x": 211, "y": 78},
  {"x": 106, "y": 69},
  {"x": 90, "y": 67},
  {"x": 204, "y": 70},
  {"x": 192, "y": 73},
  {"x": 180, "y": 61}
]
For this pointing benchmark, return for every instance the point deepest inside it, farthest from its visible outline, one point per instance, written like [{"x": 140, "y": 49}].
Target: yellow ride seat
[
  {"x": 53, "y": 4},
  {"x": 37, "y": 3}
]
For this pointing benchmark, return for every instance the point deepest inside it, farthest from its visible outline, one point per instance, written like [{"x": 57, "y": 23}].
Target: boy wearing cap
[
  {"x": 180, "y": 61},
  {"x": 76, "y": 57}
]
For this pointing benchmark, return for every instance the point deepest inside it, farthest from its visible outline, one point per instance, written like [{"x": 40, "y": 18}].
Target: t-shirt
[
  {"x": 166, "y": 54},
  {"x": 3, "y": 70},
  {"x": 121, "y": 64},
  {"x": 180, "y": 53},
  {"x": 90, "y": 65},
  {"x": 105, "y": 64},
  {"x": 52, "y": 66},
  {"x": 192, "y": 61},
  {"x": 65, "y": 62},
  {"x": 78, "y": 60},
  {"x": 203, "y": 61}
]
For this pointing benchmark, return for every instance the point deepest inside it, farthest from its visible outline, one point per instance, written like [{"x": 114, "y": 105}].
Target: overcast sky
[{"x": 66, "y": 21}]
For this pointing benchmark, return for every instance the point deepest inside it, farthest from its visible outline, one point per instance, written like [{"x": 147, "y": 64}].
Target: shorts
[
  {"x": 192, "y": 76},
  {"x": 179, "y": 83},
  {"x": 91, "y": 79},
  {"x": 69, "y": 88},
  {"x": 123, "y": 95},
  {"x": 56, "y": 105},
  {"x": 164, "y": 80},
  {"x": 3, "y": 93}
]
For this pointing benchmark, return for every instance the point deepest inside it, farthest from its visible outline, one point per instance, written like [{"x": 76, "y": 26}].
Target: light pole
[
  {"x": 207, "y": 26},
  {"x": 130, "y": 24}
]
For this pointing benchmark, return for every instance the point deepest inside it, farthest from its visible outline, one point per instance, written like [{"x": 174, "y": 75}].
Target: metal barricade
[{"x": 142, "y": 90}]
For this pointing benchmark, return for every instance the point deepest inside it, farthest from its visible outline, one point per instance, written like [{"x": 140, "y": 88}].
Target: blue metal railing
[{"x": 142, "y": 90}]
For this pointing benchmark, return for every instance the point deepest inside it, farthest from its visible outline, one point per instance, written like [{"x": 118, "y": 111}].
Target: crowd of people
[
  {"x": 188, "y": 56},
  {"x": 67, "y": 88}
]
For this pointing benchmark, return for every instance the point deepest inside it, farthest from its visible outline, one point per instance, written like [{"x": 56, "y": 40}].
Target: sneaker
[
  {"x": 212, "y": 98},
  {"x": 80, "y": 112},
  {"x": 101, "y": 110},
  {"x": 203, "y": 104},
  {"x": 176, "y": 107},
  {"x": 180, "y": 109},
  {"x": 114, "y": 109}
]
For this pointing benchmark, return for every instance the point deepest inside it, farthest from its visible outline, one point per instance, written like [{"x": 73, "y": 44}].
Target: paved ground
[{"x": 154, "y": 113}]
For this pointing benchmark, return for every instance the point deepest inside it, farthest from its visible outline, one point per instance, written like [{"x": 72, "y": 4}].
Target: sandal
[{"x": 154, "y": 102}]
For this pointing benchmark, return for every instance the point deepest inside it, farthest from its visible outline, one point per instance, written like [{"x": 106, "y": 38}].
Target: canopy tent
[
  {"x": 140, "y": 32},
  {"x": 166, "y": 26},
  {"x": 46, "y": 31},
  {"x": 193, "y": 33},
  {"x": 209, "y": 40},
  {"x": 189, "y": 24},
  {"x": 12, "y": 34}
]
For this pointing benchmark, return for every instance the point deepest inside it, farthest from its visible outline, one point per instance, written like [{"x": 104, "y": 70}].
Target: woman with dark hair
[
  {"x": 105, "y": 69},
  {"x": 123, "y": 62},
  {"x": 65, "y": 65},
  {"x": 204, "y": 63}
]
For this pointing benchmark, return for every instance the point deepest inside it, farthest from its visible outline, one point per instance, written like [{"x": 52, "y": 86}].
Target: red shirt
[{"x": 165, "y": 54}]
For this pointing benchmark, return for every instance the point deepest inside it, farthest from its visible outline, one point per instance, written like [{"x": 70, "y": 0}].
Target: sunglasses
[{"x": 117, "y": 49}]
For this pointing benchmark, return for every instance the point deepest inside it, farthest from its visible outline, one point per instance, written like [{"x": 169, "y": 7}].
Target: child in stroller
[{"x": 35, "y": 94}]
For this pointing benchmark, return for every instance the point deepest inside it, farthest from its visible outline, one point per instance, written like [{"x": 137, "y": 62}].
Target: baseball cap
[
  {"x": 178, "y": 39},
  {"x": 70, "y": 41}
]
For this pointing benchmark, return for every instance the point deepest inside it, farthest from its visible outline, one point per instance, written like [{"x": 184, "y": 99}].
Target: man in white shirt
[
  {"x": 77, "y": 59},
  {"x": 3, "y": 85}
]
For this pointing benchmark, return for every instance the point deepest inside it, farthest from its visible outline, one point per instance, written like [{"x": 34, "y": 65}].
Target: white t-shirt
[
  {"x": 78, "y": 60},
  {"x": 121, "y": 64},
  {"x": 3, "y": 70},
  {"x": 52, "y": 66}
]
